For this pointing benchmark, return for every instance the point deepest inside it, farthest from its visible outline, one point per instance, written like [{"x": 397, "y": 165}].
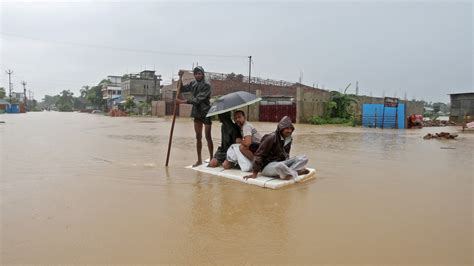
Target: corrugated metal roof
[
  {"x": 3, "y": 101},
  {"x": 461, "y": 93}
]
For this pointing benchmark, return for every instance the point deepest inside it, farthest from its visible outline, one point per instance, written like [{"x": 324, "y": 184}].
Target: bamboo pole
[{"x": 178, "y": 90}]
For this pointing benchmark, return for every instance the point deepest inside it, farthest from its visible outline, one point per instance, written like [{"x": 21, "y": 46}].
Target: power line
[{"x": 120, "y": 48}]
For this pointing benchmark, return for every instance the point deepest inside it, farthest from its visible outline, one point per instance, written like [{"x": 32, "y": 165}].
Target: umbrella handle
[{"x": 178, "y": 90}]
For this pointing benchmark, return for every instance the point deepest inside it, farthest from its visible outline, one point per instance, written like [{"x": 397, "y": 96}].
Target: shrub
[{"x": 317, "y": 120}]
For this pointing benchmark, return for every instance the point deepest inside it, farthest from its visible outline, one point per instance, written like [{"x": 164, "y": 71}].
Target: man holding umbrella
[
  {"x": 201, "y": 93},
  {"x": 230, "y": 131}
]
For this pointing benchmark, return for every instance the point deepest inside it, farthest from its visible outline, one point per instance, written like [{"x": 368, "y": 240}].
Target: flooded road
[{"x": 82, "y": 188}]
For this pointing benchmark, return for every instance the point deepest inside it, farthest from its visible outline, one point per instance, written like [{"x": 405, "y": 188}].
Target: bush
[{"x": 317, "y": 120}]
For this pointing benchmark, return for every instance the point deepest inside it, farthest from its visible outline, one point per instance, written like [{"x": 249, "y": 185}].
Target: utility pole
[
  {"x": 250, "y": 69},
  {"x": 357, "y": 87},
  {"x": 24, "y": 92},
  {"x": 10, "y": 72}
]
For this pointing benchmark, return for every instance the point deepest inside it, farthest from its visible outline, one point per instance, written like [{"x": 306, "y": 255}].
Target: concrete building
[
  {"x": 462, "y": 107},
  {"x": 144, "y": 86},
  {"x": 112, "y": 88},
  {"x": 296, "y": 100},
  {"x": 18, "y": 96}
]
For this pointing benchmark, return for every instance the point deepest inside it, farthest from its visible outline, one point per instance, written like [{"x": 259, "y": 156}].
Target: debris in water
[
  {"x": 442, "y": 135},
  {"x": 117, "y": 112}
]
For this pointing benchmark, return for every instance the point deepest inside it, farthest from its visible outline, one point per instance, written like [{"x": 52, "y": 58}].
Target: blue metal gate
[{"x": 378, "y": 115}]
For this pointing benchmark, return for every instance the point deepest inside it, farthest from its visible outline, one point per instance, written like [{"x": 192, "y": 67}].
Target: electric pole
[
  {"x": 250, "y": 69},
  {"x": 10, "y": 72},
  {"x": 357, "y": 87},
  {"x": 24, "y": 92}
]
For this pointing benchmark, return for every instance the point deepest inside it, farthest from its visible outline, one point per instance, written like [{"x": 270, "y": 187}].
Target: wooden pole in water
[{"x": 178, "y": 89}]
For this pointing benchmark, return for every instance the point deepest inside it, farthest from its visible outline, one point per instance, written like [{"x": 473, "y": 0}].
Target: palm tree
[
  {"x": 84, "y": 91},
  {"x": 340, "y": 103}
]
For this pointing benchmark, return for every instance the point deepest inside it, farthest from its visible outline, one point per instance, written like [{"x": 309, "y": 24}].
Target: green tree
[
  {"x": 49, "y": 101},
  {"x": 65, "y": 101},
  {"x": 2, "y": 93},
  {"x": 94, "y": 97},
  {"x": 130, "y": 104},
  {"x": 84, "y": 90},
  {"x": 339, "y": 104}
]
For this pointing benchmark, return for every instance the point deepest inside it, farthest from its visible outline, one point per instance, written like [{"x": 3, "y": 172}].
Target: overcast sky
[{"x": 422, "y": 49}]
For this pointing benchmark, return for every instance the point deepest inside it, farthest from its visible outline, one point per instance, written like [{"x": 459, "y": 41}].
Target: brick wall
[
  {"x": 185, "y": 110},
  {"x": 158, "y": 108}
]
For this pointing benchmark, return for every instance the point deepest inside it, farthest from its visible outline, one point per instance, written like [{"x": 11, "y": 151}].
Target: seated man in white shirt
[{"x": 250, "y": 141}]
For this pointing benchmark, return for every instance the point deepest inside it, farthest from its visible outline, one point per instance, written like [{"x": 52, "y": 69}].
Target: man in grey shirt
[
  {"x": 250, "y": 136},
  {"x": 247, "y": 146}
]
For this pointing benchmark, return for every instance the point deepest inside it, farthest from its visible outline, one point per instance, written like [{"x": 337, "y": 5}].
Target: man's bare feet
[
  {"x": 198, "y": 163},
  {"x": 303, "y": 172},
  {"x": 213, "y": 163},
  {"x": 227, "y": 165},
  {"x": 288, "y": 177}
]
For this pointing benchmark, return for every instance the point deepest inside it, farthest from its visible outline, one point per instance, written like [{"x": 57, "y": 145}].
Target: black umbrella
[{"x": 232, "y": 101}]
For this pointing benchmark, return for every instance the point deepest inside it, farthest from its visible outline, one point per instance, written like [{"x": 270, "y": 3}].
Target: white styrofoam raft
[{"x": 261, "y": 181}]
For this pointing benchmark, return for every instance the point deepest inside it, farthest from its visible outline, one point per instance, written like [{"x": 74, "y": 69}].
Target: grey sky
[{"x": 424, "y": 49}]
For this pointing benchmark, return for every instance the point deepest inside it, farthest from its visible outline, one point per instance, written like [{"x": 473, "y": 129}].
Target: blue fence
[
  {"x": 13, "y": 108},
  {"x": 377, "y": 115}
]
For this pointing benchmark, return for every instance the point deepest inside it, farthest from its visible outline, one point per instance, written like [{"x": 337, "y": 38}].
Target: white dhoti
[
  {"x": 286, "y": 168},
  {"x": 234, "y": 155}
]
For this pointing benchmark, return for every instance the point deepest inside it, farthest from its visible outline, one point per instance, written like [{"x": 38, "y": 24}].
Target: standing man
[
  {"x": 273, "y": 155},
  {"x": 201, "y": 90}
]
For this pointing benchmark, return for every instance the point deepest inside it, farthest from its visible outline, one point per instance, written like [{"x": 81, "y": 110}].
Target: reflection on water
[{"x": 86, "y": 188}]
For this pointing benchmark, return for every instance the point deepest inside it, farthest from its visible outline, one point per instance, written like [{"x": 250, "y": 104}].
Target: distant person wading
[{"x": 201, "y": 91}]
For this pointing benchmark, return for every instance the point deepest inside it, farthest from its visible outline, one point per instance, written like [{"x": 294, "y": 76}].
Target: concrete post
[
  {"x": 299, "y": 105},
  {"x": 254, "y": 112}
]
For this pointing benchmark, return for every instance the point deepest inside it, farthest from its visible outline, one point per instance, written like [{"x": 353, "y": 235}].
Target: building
[
  {"x": 4, "y": 106},
  {"x": 299, "y": 101},
  {"x": 144, "y": 86},
  {"x": 462, "y": 107},
  {"x": 169, "y": 91},
  {"x": 112, "y": 88},
  {"x": 18, "y": 96}
]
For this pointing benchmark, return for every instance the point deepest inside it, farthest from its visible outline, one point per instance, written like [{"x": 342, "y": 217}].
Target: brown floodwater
[{"x": 82, "y": 188}]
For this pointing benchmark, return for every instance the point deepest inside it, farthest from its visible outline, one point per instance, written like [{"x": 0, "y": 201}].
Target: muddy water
[{"x": 82, "y": 188}]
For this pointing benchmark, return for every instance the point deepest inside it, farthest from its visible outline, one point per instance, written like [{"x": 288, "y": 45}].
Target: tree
[
  {"x": 65, "y": 101},
  {"x": 94, "y": 97},
  {"x": 84, "y": 91},
  {"x": 49, "y": 101},
  {"x": 78, "y": 103},
  {"x": 339, "y": 105},
  {"x": 230, "y": 76},
  {"x": 129, "y": 104},
  {"x": 239, "y": 77},
  {"x": 2, "y": 93}
]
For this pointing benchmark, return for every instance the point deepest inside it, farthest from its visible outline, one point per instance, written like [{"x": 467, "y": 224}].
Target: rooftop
[{"x": 457, "y": 93}]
